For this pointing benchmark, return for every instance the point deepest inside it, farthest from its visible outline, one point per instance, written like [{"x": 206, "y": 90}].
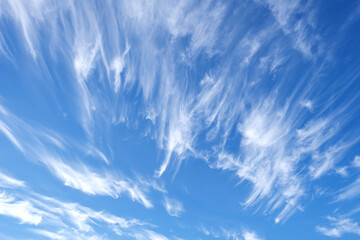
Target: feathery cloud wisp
[
  {"x": 339, "y": 226},
  {"x": 173, "y": 207}
]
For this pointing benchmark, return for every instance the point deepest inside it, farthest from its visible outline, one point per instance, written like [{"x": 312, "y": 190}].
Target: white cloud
[
  {"x": 229, "y": 234},
  {"x": 339, "y": 226},
  {"x": 81, "y": 217},
  {"x": 356, "y": 161},
  {"x": 22, "y": 210},
  {"x": 325, "y": 161},
  {"x": 94, "y": 183},
  {"x": 6, "y": 131},
  {"x": 148, "y": 235},
  {"x": 271, "y": 151},
  {"x": 308, "y": 104},
  {"x": 65, "y": 234},
  {"x": 21, "y": 11},
  {"x": 250, "y": 236},
  {"x": 282, "y": 10},
  {"x": 85, "y": 53},
  {"x": 4, "y": 49},
  {"x": 175, "y": 132},
  {"x": 342, "y": 171},
  {"x": 301, "y": 30},
  {"x": 267, "y": 162},
  {"x": 173, "y": 207},
  {"x": 117, "y": 66},
  {"x": 59, "y": 220},
  {"x": 190, "y": 116},
  {"x": 46, "y": 148},
  {"x": 318, "y": 133},
  {"x": 83, "y": 64},
  {"x": 9, "y": 182},
  {"x": 350, "y": 191}
]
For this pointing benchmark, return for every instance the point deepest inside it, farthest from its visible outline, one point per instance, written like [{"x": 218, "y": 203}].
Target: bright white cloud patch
[
  {"x": 22, "y": 210},
  {"x": 250, "y": 236}
]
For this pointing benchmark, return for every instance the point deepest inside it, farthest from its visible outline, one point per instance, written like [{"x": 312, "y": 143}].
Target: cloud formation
[
  {"x": 46, "y": 147},
  {"x": 173, "y": 207},
  {"x": 339, "y": 226},
  {"x": 56, "y": 219},
  {"x": 260, "y": 91}
]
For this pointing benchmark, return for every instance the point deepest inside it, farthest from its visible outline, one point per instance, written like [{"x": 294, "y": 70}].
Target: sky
[{"x": 174, "y": 120}]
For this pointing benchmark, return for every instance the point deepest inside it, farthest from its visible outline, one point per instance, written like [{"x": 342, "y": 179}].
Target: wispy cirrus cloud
[
  {"x": 350, "y": 191},
  {"x": 4, "y": 49},
  {"x": 64, "y": 234},
  {"x": 301, "y": 30},
  {"x": 56, "y": 219},
  {"x": 356, "y": 161},
  {"x": 10, "y": 182},
  {"x": 148, "y": 234},
  {"x": 173, "y": 207},
  {"x": 94, "y": 183},
  {"x": 22, "y": 12},
  {"x": 228, "y": 234},
  {"x": 22, "y": 210},
  {"x": 339, "y": 226},
  {"x": 45, "y": 147},
  {"x": 231, "y": 101}
]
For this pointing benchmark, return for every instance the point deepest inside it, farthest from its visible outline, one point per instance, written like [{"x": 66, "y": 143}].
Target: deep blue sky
[{"x": 170, "y": 120}]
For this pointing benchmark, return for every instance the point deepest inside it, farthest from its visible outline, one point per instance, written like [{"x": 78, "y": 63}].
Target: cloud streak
[
  {"x": 40, "y": 146},
  {"x": 10, "y": 182},
  {"x": 56, "y": 219}
]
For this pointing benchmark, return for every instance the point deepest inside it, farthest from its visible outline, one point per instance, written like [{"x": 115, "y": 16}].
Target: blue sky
[{"x": 170, "y": 120}]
